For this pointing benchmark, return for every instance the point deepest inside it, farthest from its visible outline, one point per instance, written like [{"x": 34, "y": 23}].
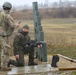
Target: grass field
[{"x": 60, "y": 35}]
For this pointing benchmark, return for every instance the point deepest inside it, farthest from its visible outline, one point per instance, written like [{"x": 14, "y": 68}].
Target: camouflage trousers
[
  {"x": 4, "y": 53},
  {"x": 21, "y": 62}
]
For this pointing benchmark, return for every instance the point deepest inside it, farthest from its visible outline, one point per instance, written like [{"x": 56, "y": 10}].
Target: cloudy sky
[{"x": 28, "y": 2}]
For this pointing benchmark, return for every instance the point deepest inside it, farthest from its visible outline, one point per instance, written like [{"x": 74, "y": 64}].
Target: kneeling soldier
[{"x": 19, "y": 50}]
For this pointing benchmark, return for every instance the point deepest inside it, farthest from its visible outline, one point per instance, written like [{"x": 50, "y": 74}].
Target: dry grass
[
  {"x": 60, "y": 34},
  {"x": 55, "y": 33}
]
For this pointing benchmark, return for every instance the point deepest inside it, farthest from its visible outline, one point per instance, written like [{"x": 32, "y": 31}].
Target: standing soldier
[{"x": 7, "y": 27}]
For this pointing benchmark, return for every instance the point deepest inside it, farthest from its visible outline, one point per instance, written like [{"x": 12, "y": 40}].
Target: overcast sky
[{"x": 28, "y": 2}]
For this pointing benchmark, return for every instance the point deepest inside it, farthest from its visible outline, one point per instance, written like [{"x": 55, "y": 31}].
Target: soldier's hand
[
  {"x": 39, "y": 46},
  {"x": 17, "y": 56},
  {"x": 26, "y": 46},
  {"x": 17, "y": 25}
]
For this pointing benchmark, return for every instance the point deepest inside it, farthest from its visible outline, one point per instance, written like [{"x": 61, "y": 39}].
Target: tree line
[{"x": 45, "y": 13}]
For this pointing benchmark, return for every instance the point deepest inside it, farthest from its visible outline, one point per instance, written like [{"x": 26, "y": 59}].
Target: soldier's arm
[{"x": 11, "y": 22}]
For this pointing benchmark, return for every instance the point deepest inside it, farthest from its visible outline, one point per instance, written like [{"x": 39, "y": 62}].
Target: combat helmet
[{"x": 7, "y": 5}]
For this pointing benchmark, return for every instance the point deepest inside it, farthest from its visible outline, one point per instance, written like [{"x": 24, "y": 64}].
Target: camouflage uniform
[
  {"x": 7, "y": 26},
  {"x": 19, "y": 49}
]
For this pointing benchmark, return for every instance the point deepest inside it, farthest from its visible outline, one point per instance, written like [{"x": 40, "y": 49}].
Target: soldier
[
  {"x": 19, "y": 50},
  {"x": 7, "y": 27}
]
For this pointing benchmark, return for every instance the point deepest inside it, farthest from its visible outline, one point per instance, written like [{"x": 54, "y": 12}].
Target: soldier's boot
[
  {"x": 31, "y": 62},
  {"x": 11, "y": 62},
  {"x": 5, "y": 69}
]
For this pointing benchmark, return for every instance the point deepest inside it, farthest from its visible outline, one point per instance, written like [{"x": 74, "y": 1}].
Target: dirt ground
[{"x": 63, "y": 63}]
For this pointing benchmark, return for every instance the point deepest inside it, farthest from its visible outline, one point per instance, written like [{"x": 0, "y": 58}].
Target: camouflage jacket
[
  {"x": 18, "y": 39},
  {"x": 7, "y": 24}
]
